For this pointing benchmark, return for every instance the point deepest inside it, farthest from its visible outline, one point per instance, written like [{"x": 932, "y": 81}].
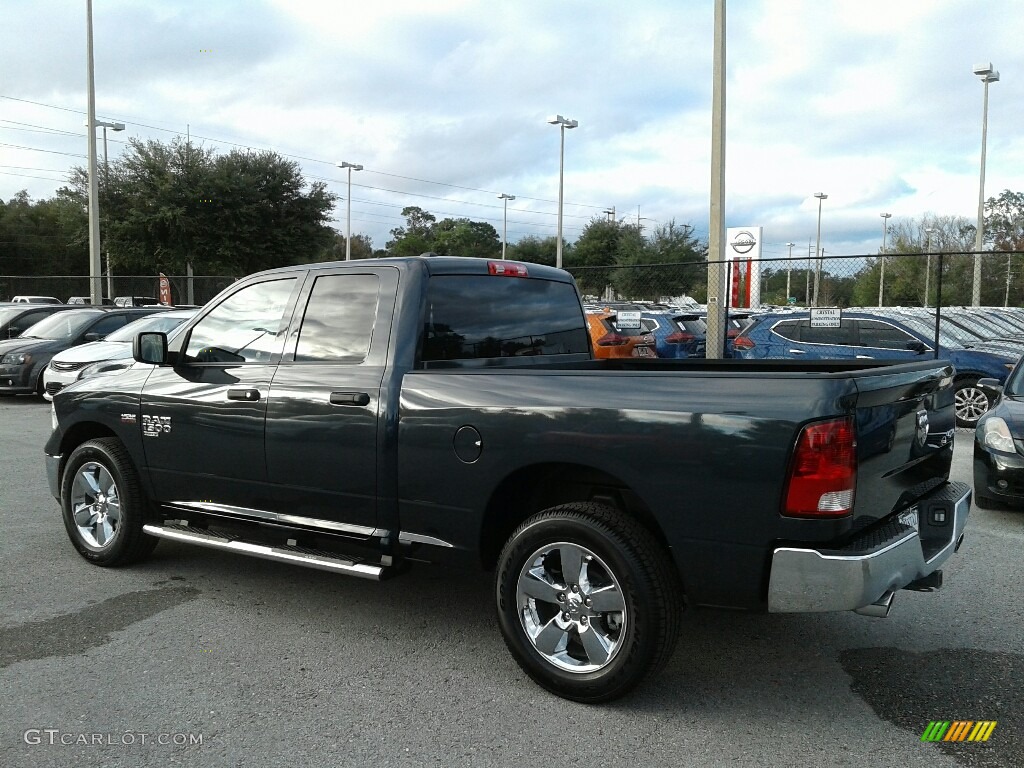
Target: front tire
[
  {"x": 588, "y": 601},
  {"x": 103, "y": 504},
  {"x": 970, "y": 402}
]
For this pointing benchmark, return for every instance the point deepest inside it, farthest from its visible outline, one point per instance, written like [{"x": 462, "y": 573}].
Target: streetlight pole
[
  {"x": 106, "y": 181},
  {"x": 504, "y": 229},
  {"x": 348, "y": 206},
  {"x": 817, "y": 252},
  {"x": 881, "y": 276},
  {"x": 987, "y": 75},
  {"x": 95, "y": 267},
  {"x": 789, "y": 268},
  {"x": 562, "y": 123},
  {"x": 928, "y": 263}
]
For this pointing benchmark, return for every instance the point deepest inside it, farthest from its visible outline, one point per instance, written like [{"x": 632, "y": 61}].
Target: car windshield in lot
[
  {"x": 162, "y": 323},
  {"x": 62, "y": 325},
  {"x": 9, "y": 313}
]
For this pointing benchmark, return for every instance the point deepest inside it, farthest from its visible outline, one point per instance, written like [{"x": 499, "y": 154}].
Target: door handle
[
  {"x": 798, "y": 352},
  {"x": 865, "y": 357},
  {"x": 245, "y": 395},
  {"x": 350, "y": 398}
]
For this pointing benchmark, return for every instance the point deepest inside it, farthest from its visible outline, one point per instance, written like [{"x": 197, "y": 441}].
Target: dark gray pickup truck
[{"x": 361, "y": 417}]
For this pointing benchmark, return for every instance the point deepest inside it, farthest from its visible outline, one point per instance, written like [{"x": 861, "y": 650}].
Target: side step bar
[{"x": 324, "y": 561}]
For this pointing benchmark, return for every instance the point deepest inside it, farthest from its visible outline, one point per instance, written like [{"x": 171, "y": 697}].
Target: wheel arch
[
  {"x": 537, "y": 487},
  {"x": 79, "y": 433}
]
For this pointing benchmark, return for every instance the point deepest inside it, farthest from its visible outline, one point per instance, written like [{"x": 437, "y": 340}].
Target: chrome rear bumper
[{"x": 882, "y": 561}]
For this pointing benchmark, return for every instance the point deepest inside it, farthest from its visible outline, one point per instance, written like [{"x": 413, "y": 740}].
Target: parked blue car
[
  {"x": 863, "y": 335},
  {"x": 677, "y": 335}
]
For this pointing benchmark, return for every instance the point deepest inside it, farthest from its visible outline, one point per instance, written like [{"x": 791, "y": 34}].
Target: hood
[
  {"x": 23, "y": 345},
  {"x": 95, "y": 351}
]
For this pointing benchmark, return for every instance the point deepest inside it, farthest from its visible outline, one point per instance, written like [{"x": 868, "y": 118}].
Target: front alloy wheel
[
  {"x": 103, "y": 504},
  {"x": 95, "y": 505},
  {"x": 970, "y": 403}
]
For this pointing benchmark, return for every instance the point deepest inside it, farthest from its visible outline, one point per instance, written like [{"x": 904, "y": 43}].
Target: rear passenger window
[
  {"x": 470, "y": 317},
  {"x": 788, "y": 329},
  {"x": 841, "y": 335},
  {"x": 877, "y": 334},
  {"x": 338, "y": 324}
]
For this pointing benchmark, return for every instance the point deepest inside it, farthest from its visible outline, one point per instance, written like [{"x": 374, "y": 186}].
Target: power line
[{"x": 317, "y": 160}]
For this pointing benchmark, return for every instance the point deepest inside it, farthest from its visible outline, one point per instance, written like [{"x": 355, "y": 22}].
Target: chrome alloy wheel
[
  {"x": 96, "y": 505},
  {"x": 571, "y": 607},
  {"x": 971, "y": 403}
]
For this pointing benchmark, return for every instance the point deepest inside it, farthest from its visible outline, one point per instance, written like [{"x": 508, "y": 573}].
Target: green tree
[
  {"x": 44, "y": 237},
  {"x": 462, "y": 237},
  {"x": 164, "y": 206},
  {"x": 533, "y": 249},
  {"x": 595, "y": 253},
  {"x": 1004, "y": 221},
  {"x": 416, "y": 237}
]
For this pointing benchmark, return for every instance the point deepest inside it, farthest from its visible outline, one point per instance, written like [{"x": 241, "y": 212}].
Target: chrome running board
[{"x": 324, "y": 561}]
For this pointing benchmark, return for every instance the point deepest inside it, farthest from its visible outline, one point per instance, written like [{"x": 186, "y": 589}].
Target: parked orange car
[{"x": 614, "y": 340}]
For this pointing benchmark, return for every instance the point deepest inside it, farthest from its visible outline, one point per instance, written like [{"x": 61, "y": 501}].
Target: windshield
[
  {"x": 61, "y": 325},
  {"x": 161, "y": 323}
]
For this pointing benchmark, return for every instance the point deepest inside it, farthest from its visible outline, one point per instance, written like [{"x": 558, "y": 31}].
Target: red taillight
[
  {"x": 823, "y": 472},
  {"x": 733, "y": 333},
  {"x": 507, "y": 269},
  {"x": 612, "y": 340},
  {"x": 742, "y": 342},
  {"x": 680, "y": 338}
]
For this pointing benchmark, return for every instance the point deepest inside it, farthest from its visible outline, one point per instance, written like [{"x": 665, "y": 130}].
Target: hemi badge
[{"x": 127, "y": 418}]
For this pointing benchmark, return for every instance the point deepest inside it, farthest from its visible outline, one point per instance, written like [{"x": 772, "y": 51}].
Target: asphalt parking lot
[{"x": 203, "y": 658}]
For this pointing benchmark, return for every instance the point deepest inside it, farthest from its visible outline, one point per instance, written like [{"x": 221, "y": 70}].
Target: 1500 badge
[{"x": 153, "y": 426}]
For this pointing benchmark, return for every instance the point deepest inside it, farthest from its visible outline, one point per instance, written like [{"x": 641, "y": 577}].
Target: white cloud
[{"x": 873, "y": 102}]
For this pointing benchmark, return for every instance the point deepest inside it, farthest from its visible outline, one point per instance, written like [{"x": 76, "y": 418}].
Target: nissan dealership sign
[{"x": 744, "y": 272}]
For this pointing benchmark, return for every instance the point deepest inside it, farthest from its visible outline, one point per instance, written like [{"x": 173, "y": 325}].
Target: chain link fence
[
  {"x": 67, "y": 287},
  {"x": 899, "y": 306}
]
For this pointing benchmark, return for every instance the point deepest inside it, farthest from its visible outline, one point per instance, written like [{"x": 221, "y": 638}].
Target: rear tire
[
  {"x": 103, "y": 504},
  {"x": 588, "y": 601}
]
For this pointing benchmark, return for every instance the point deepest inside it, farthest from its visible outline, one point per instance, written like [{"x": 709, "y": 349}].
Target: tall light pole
[
  {"x": 987, "y": 75},
  {"x": 928, "y": 263},
  {"x": 95, "y": 267},
  {"x": 106, "y": 181},
  {"x": 348, "y": 206},
  {"x": 881, "y": 276},
  {"x": 504, "y": 229},
  {"x": 562, "y": 123},
  {"x": 789, "y": 267},
  {"x": 817, "y": 252}
]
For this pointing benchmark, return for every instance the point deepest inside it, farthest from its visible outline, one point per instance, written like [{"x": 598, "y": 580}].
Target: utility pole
[{"x": 715, "y": 348}]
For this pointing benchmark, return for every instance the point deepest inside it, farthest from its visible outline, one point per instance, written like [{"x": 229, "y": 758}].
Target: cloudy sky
[{"x": 445, "y": 102}]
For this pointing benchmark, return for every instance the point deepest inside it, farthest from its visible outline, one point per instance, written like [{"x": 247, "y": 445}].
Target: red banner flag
[{"x": 165, "y": 291}]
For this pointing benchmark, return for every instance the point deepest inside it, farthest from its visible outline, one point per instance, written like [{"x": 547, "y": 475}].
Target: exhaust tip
[{"x": 878, "y": 609}]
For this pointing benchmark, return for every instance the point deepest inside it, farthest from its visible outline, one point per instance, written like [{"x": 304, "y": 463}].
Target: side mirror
[
  {"x": 992, "y": 388},
  {"x": 93, "y": 336},
  {"x": 917, "y": 346},
  {"x": 150, "y": 347}
]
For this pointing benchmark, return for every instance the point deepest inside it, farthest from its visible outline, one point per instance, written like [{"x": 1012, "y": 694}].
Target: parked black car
[
  {"x": 15, "y": 318},
  {"x": 999, "y": 444},
  {"x": 23, "y": 360}
]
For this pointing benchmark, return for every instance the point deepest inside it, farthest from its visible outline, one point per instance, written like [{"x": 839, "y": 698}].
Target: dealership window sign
[
  {"x": 625, "y": 320},
  {"x": 826, "y": 317},
  {"x": 744, "y": 254}
]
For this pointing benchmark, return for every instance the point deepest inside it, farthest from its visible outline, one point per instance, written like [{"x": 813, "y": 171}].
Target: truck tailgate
[{"x": 905, "y": 425}]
